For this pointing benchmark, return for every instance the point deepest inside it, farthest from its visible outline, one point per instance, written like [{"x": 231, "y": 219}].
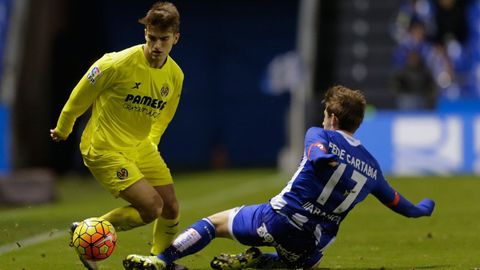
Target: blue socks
[{"x": 190, "y": 241}]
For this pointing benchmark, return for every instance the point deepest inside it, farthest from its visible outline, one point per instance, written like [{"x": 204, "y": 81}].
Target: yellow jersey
[{"x": 131, "y": 101}]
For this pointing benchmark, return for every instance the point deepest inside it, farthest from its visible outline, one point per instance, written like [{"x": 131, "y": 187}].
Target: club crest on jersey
[
  {"x": 321, "y": 147},
  {"x": 94, "y": 74},
  {"x": 122, "y": 173},
  {"x": 164, "y": 91}
]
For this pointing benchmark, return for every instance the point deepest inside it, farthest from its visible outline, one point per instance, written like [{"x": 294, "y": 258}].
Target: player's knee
[
  {"x": 220, "y": 222},
  {"x": 153, "y": 210},
  {"x": 170, "y": 209}
]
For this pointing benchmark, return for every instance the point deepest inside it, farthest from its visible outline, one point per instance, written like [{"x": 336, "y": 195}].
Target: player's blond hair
[
  {"x": 347, "y": 105},
  {"x": 164, "y": 16}
]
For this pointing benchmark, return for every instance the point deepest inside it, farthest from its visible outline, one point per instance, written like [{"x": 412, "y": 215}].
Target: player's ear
[
  {"x": 334, "y": 121},
  {"x": 176, "y": 37}
]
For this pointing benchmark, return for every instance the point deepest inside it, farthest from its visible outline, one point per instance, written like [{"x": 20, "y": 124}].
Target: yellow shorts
[{"x": 117, "y": 171}]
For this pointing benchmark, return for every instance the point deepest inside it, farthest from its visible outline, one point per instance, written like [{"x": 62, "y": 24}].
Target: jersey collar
[{"x": 351, "y": 140}]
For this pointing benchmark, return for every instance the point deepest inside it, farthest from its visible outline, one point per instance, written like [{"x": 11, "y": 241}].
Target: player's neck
[
  {"x": 345, "y": 131},
  {"x": 153, "y": 63}
]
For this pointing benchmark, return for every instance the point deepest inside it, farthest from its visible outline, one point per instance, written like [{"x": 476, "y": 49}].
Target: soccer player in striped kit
[{"x": 335, "y": 174}]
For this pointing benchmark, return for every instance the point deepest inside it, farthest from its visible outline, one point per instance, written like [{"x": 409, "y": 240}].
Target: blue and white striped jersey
[{"x": 335, "y": 174}]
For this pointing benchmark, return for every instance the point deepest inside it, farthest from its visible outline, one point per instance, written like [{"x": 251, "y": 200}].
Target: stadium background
[
  {"x": 255, "y": 74},
  {"x": 224, "y": 118},
  {"x": 253, "y": 82}
]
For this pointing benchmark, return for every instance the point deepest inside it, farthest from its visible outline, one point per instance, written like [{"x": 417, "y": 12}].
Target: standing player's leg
[
  {"x": 152, "y": 165},
  {"x": 166, "y": 226},
  {"x": 119, "y": 174},
  {"x": 146, "y": 206}
]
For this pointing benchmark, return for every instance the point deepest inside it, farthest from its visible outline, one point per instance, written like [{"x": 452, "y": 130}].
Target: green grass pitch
[{"x": 371, "y": 237}]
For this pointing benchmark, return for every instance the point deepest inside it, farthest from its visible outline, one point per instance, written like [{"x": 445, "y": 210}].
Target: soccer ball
[{"x": 94, "y": 239}]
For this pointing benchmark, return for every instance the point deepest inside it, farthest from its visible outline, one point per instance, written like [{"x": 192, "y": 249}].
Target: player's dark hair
[
  {"x": 347, "y": 105},
  {"x": 164, "y": 16}
]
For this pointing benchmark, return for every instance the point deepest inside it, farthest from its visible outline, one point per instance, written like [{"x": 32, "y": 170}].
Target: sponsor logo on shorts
[
  {"x": 263, "y": 232},
  {"x": 290, "y": 256},
  {"x": 122, "y": 173}
]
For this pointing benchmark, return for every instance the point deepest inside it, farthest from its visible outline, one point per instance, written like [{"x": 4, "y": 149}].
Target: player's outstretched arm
[
  {"x": 395, "y": 201},
  {"x": 426, "y": 207},
  {"x": 406, "y": 208}
]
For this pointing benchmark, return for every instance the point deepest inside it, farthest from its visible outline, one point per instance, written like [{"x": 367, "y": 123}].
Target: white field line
[
  {"x": 36, "y": 239},
  {"x": 221, "y": 195}
]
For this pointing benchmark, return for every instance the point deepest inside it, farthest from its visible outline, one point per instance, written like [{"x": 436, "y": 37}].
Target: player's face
[{"x": 158, "y": 45}]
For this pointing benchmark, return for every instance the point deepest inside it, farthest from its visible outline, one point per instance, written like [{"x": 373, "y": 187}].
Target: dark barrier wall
[
  {"x": 4, "y": 110},
  {"x": 224, "y": 119},
  {"x": 5, "y": 7}
]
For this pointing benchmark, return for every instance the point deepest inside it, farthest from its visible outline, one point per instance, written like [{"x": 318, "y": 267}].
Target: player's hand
[
  {"x": 426, "y": 206},
  {"x": 55, "y": 136}
]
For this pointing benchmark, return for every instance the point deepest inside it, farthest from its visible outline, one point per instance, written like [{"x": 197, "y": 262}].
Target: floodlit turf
[{"x": 372, "y": 237}]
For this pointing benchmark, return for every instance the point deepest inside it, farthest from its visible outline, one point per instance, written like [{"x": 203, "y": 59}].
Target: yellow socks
[
  {"x": 164, "y": 231},
  {"x": 124, "y": 218},
  {"x": 127, "y": 217}
]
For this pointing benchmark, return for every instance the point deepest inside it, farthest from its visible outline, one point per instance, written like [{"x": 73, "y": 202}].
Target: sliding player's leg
[
  {"x": 295, "y": 247},
  {"x": 248, "y": 259},
  {"x": 242, "y": 224},
  {"x": 323, "y": 240},
  {"x": 190, "y": 241},
  {"x": 248, "y": 226}
]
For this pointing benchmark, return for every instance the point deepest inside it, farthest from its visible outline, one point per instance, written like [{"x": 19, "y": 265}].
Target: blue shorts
[{"x": 260, "y": 225}]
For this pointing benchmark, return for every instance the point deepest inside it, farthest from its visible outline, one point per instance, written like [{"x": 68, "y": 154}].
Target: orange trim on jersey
[
  {"x": 309, "y": 149},
  {"x": 395, "y": 200},
  {"x": 317, "y": 144}
]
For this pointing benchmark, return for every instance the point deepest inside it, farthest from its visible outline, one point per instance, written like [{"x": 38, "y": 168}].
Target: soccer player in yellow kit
[{"x": 134, "y": 94}]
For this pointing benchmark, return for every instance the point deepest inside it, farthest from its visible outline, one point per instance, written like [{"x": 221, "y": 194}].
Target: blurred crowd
[{"x": 437, "y": 54}]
